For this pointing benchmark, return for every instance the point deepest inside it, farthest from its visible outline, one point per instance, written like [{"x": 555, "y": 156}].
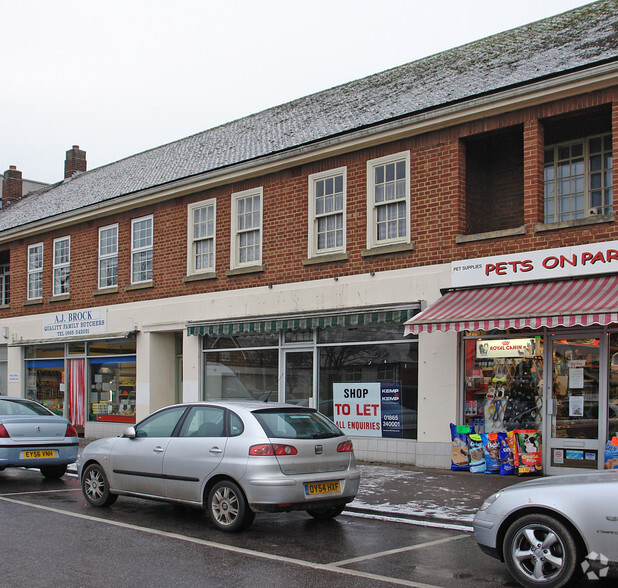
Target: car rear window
[
  {"x": 21, "y": 408},
  {"x": 296, "y": 423}
]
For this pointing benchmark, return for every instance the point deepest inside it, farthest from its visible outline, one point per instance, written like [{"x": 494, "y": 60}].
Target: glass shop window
[
  {"x": 503, "y": 384},
  {"x": 45, "y": 383},
  {"x": 112, "y": 389}
]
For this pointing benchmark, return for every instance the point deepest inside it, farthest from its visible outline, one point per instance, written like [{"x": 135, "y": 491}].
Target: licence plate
[
  {"x": 39, "y": 453},
  {"x": 313, "y": 488}
]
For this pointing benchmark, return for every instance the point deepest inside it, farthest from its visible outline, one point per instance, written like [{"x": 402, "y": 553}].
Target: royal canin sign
[{"x": 546, "y": 264}]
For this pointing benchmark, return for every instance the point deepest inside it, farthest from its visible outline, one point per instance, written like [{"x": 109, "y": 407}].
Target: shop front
[
  {"x": 355, "y": 367},
  {"x": 537, "y": 354}
]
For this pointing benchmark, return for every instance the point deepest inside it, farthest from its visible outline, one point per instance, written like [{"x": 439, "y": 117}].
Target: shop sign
[
  {"x": 546, "y": 264},
  {"x": 493, "y": 348},
  {"x": 75, "y": 323},
  {"x": 368, "y": 409}
]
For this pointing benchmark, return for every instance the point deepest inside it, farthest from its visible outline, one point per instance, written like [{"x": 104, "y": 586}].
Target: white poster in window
[
  {"x": 576, "y": 378},
  {"x": 357, "y": 408},
  {"x": 576, "y": 406}
]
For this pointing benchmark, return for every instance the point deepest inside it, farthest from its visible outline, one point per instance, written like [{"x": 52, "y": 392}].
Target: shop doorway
[
  {"x": 575, "y": 430},
  {"x": 298, "y": 377}
]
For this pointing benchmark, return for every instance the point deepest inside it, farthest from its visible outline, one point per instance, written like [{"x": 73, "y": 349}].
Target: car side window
[
  {"x": 236, "y": 425},
  {"x": 204, "y": 421},
  {"x": 161, "y": 424}
]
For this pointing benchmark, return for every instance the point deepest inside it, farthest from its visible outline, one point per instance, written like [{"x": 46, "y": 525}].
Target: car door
[
  {"x": 137, "y": 463},
  {"x": 193, "y": 454}
]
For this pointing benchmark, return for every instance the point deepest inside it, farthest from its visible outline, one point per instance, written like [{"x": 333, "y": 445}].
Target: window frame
[
  {"x": 313, "y": 246},
  {"x": 589, "y": 210},
  {"x": 5, "y": 284},
  {"x": 108, "y": 256},
  {"x": 35, "y": 273},
  {"x": 210, "y": 204},
  {"x": 372, "y": 206},
  {"x": 141, "y": 249},
  {"x": 235, "y": 246},
  {"x": 58, "y": 288}
]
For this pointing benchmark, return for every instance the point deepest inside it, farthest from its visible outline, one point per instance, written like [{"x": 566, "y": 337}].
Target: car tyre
[
  {"x": 54, "y": 472},
  {"x": 95, "y": 486},
  {"x": 539, "y": 550},
  {"x": 228, "y": 508},
  {"x": 325, "y": 513}
]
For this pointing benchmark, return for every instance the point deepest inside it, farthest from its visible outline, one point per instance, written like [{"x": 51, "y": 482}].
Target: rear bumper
[
  {"x": 322, "y": 503},
  {"x": 13, "y": 456}
]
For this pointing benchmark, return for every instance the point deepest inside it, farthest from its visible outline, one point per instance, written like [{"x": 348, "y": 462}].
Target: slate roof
[{"x": 579, "y": 38}]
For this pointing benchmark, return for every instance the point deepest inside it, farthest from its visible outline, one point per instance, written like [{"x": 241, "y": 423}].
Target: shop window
[
  {"x": 112, "y": 389},
  {"x": 115, "y": 347},
  {"x": 578, "y": 165},
  {"x": 45, "y": 383},
  {"x": 241, "y": 341},
  {"x": 494, "y": 181},
  {"x": 392, "y": 367},
  {"x": 245, "y": 374},
  {"x": 613, "y": 386},
  {"x": 504, "y": 384}
]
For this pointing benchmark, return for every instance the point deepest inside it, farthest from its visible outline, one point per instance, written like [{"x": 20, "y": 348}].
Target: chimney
[
  {"x": 75, "y": 162},
  {"x": 12, "y": 187}
]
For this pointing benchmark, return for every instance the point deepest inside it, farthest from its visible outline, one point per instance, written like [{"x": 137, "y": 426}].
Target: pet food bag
[
  {"x": 460, "y": 451},
  {"x": 611, "y": 454},
  {"x": 527, "y": 454},
  {"x": 477, "y": 454},
  {"x": 491, "y": 448},
  {"x": 507, "y": 463}
]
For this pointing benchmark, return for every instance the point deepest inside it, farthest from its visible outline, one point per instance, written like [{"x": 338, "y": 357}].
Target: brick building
[{"x": 368, "y": 250}]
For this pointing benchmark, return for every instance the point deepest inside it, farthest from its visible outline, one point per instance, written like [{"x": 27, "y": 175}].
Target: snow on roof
[{"x": 580, "y": 38}]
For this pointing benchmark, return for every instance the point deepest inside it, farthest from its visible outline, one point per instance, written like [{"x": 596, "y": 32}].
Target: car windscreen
[
  {"x": 296, "y": 423},
  {"x": 21, "y": 408}
]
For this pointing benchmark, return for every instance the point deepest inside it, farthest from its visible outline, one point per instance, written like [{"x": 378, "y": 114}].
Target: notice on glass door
[
  {"x": 576, "y": 406},
  {"x": 576, "y": 378}
]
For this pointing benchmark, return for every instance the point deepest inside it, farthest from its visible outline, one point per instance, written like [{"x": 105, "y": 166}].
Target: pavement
[{"x": 423, "y": 496}]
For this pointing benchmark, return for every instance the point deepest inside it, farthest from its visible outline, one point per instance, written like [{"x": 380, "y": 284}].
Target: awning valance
[
  {"x": 304, "y": 321},
  {"x": 568, "y": 303}
]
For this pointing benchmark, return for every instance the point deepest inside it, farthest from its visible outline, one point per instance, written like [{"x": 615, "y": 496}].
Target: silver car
[
  {"x": 232, "y": 458},
  {"x": 31, "y": 436},
  {"x": 551, "y": 530}
]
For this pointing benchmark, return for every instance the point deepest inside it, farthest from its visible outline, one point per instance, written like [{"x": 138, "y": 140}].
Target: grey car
[
  {"x": 551, "y": 530},
  {"x": 231, "y": 458},
  {"x": 31, "y": 436}
]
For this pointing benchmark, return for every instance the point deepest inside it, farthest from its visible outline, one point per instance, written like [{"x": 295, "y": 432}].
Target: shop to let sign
[
  {"x": 368, "y": 409},
  {"x": 75, "y": 323}
]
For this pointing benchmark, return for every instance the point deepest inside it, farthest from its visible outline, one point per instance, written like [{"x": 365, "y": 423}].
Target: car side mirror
[{"x": 130, "y": 433}]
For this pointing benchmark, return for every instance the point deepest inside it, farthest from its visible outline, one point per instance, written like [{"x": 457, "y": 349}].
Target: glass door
[
  {"x": 298, "y": 377},
  {"x": 575, "y": 424}
]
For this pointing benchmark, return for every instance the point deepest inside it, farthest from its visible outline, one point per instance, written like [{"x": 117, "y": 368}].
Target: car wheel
[
  {"x": 540, "y": 551},
  {"x": 228, "y": 508},
  {"x": 325, "y": 513},
  {"x": 95, "y": 487},
  {"x": 54, "y": 472}
]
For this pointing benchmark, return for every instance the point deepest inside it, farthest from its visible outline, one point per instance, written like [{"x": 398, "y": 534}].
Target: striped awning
[
  {"x": 568, "y": 303},
  {"x": 302, "y": 322}
]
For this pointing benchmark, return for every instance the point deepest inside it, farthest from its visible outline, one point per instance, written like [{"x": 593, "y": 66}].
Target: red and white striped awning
[{"x": 586, "y": 301}]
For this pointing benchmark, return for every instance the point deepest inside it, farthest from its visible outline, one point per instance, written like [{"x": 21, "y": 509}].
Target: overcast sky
[{"x": 117, "y": 77}]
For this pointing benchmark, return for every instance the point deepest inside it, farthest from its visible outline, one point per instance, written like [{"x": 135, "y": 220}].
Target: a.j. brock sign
[
  {"x": 546, "y": 264},
  {"x": 75, "y": 323}
]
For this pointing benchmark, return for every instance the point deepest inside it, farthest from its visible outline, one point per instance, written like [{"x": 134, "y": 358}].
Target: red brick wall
[{"x": 437, "y": 216}]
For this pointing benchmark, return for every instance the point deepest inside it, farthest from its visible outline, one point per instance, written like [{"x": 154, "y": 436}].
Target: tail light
[
  {"x": 272, "y": 449},
  {"x": 4, "y": 434},
  {"x": 70, "y": 432},
  {"x": 345, "y": 446}
]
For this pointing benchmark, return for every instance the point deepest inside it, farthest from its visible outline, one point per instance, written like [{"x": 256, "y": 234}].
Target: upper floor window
[
  {"x": 4, "y": 284},
  {"x": 327, "y": 191},
  {"x": 388, "y": 200},
  {"x": 62, "y": 265},
  {"x": 141, "y": 249},
  {"x": 202, "y": 236},
  {"x": 247, "y": 228},
  {"x": 578, "y": 179},
  {"x": 108, "y": 256},
  {"x": 35, "y": 271}
]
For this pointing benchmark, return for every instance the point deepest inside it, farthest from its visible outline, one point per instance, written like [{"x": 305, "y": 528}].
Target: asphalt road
[{"x": 50, "y": 537}]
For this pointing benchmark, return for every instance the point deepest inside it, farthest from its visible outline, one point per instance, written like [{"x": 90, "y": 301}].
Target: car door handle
[
  {"x": 158, "y": 449},
  {"x": 216, "y": 450}
]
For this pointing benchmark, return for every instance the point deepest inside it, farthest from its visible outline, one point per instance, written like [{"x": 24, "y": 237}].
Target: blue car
[{"x": 33, "y": 437}]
